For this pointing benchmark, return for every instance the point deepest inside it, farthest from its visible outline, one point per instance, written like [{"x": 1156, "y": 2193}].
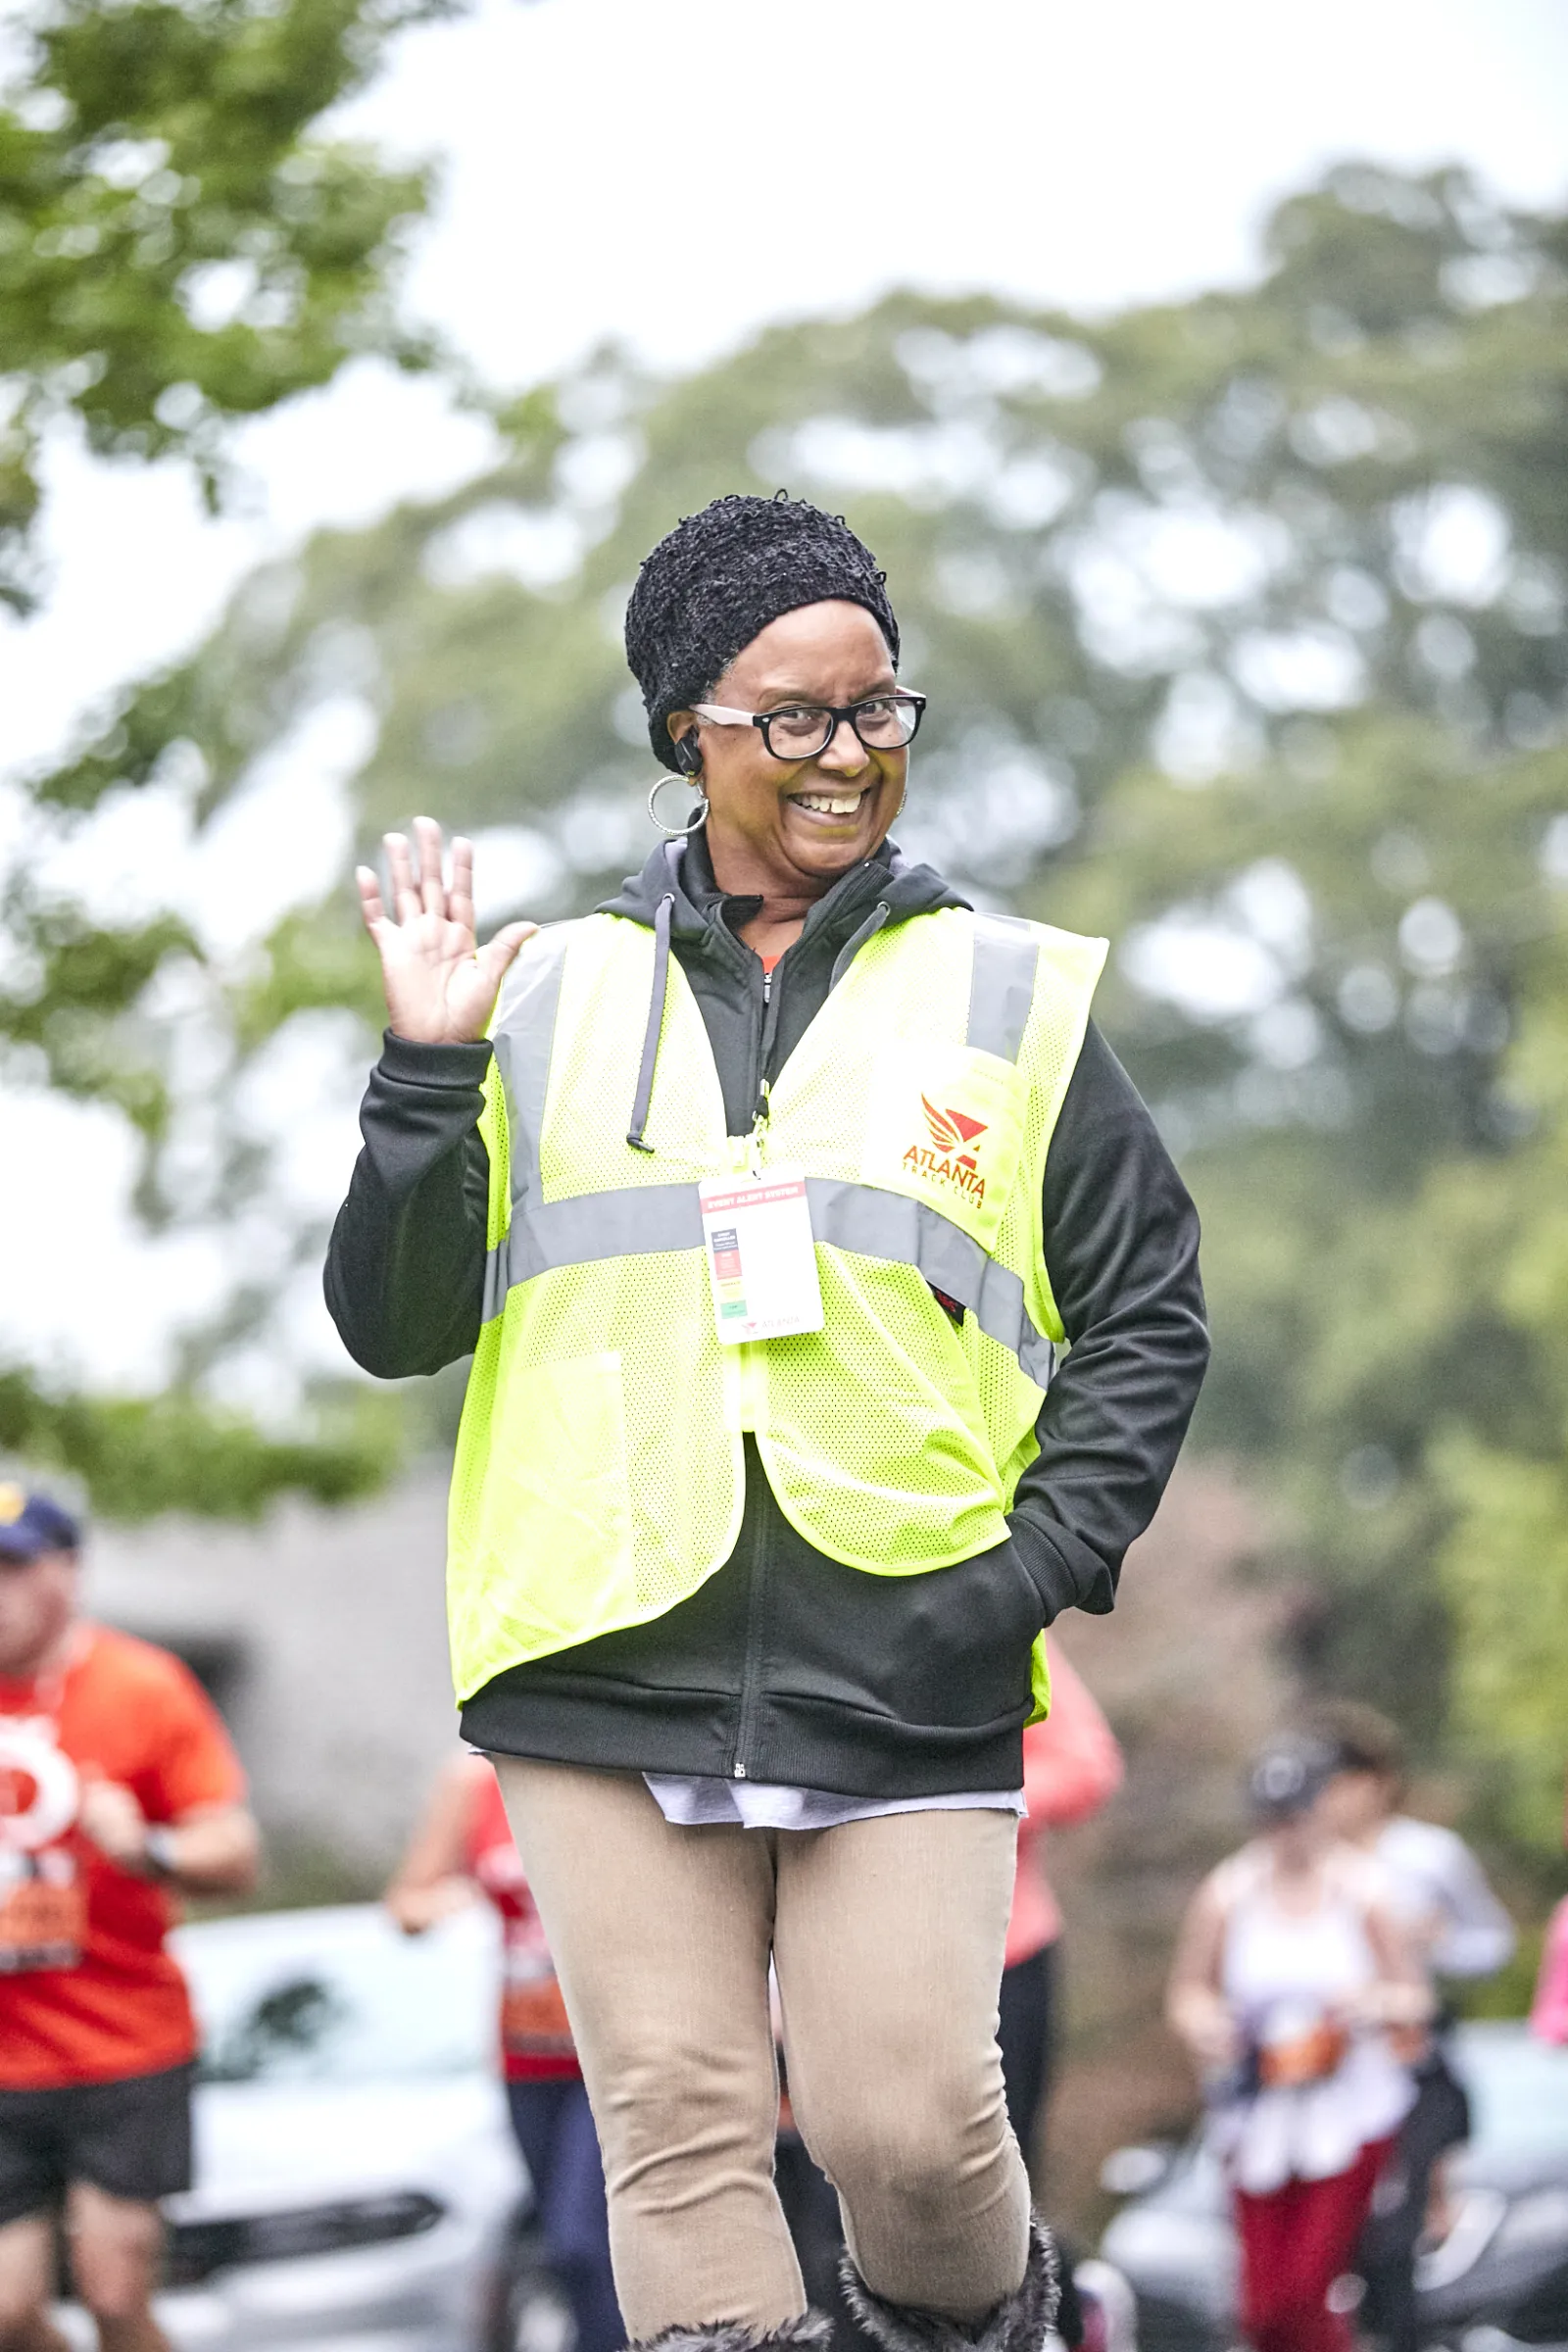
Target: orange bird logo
[{"x": 950, "y": 1128}]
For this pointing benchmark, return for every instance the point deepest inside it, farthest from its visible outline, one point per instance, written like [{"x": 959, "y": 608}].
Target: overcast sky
[{"x": 676, "y": 173}]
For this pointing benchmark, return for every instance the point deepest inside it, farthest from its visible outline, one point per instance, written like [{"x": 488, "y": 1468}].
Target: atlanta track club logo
[{"x": 948, "y": 1158}]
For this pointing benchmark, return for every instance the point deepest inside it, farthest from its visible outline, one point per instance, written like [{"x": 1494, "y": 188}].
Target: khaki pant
[{"x": 887, "y": 1936}]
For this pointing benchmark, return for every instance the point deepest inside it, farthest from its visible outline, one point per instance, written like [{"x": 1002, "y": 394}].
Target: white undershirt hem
[{"x": 703, "y": 1800}]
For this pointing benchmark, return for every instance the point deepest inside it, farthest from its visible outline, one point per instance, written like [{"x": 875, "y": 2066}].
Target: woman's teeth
[{"x": 838, "y": 805}]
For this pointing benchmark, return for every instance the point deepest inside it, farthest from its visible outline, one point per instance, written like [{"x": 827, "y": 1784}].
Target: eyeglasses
[{"x": 884, "y": 722}]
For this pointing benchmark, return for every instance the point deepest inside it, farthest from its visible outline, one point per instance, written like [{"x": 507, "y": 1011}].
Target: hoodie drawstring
[
  {"x": 664, "y": 916},
  {"x": 852, "y": 947}
]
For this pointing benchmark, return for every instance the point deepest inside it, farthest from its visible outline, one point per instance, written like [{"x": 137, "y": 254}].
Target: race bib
[
  {"x": 533, "y": 2012},
  {"x": 761, "y": 1260},
  {"x": 43, "y": 1911},
  {"x": 44, "y": 1897},
  {"x": 1309, "y": 2055}
]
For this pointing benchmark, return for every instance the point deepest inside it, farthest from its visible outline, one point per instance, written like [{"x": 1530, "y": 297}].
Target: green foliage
[
  {"x": 315, "y": 961},
  {"x": 1504, "y": 1474},
  {"x": 72, "y": 988},
  {"x": 1355, "y": 1179},
  {"x": 1510, "y": 1993},
  {"x": 139, "y": 1456},
  {"x": 178, "y": 249},
  {"x": 175, "y": 248}
]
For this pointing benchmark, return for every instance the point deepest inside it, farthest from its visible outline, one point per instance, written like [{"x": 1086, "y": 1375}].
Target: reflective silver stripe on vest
[
  {"x": 633, "y": 1221},
  {"x": 878, "y": 1224},
  {"x": 524, "y": 1032},
  {"x": 1001, "y": 985},
  {"x": 641, "y": 1219}
]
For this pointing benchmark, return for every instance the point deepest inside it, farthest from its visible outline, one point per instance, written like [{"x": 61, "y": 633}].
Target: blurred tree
[
  {"x": 175, "y": 248},
  {"x": 178, "y": 249},
  {"x": 1359, "y": 1180},
  {"x": 138, "y": 1456},
  {"x": 1242, "y": 625},
  {"x": 1506, "y": 1479}
]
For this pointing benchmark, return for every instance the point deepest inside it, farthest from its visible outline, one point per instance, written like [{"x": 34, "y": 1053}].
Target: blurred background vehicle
[
  {"x": 357, "y": 2179},
  {"x": 1501, "y": 2262}
]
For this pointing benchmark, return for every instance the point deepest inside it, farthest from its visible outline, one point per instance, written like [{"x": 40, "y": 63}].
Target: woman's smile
[{"x": 831, "y": 805}]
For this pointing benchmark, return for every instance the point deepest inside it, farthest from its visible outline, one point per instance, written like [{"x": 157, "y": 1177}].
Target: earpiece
[{"x": 687, "y": 757}]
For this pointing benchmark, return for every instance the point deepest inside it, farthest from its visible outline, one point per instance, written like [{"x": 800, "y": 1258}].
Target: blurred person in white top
[
  {"x": 1435, "y": 1885},
  {"x": 1439, "y": 1892},
  {"x": 1290, "y": 1971}
]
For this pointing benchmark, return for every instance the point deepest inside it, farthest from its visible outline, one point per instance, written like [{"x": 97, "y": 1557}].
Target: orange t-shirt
[
  {"x": 536, "y": 2043},
  {"x": 87, "y": 1992},
  {"x": 1071, "y": 1767}
]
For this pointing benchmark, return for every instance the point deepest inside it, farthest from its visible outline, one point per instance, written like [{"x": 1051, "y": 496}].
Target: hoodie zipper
[
  {"x": 766, "y": 1040},
  {"x": 757, "y": 1595},
  {"x": 752, "y": 1667}
]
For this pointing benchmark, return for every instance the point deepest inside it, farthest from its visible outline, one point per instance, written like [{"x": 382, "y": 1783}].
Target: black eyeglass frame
[{"x": 837, "y": 714}]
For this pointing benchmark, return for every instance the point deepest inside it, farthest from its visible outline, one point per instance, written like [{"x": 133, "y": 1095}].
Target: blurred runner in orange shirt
[
  {"x": 119, "y": 1789},
  {"x": 1071, "y": 1767}
]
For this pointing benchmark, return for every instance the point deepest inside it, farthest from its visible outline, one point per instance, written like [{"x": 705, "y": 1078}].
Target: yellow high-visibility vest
[{"x": 599, "y": 1474}]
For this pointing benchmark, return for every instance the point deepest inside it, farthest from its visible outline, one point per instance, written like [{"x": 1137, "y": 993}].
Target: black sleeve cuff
[
  {"x": 409, "y": 1063},
  {"x": 1063, "y": 1570}
]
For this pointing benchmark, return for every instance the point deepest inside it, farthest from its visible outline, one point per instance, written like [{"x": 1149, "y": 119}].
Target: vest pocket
[{"x": 553, "y": 1550}]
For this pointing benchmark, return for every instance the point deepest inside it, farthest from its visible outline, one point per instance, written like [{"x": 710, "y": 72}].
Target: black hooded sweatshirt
[{"x": 785, "y": 1665}]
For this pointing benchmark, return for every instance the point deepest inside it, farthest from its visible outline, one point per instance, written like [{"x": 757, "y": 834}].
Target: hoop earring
[{"x": 678, "y": 832}]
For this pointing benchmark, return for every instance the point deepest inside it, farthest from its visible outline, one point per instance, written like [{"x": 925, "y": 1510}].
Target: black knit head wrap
[{"x": 719, "y": 577}]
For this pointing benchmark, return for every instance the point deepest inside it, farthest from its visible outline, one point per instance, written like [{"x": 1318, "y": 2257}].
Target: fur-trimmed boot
[
  {"x": 811, "y": 2331},
  {"x": 1020, "y": 2322}
]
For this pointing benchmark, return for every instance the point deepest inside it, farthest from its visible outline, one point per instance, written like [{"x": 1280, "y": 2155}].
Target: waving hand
[{"x": 440, "y": 984}]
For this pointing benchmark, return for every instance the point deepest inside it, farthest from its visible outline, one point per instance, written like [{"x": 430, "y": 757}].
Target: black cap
[
  {"x": 31, "y": 1525},
  {"x": 1289, "y": 1777},
  {"x": 716, "y": 581}
]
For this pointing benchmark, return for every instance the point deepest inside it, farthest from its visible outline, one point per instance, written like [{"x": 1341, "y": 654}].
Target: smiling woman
[
  {"x": 799, "y": 784},
  {"x": 760, "y": 1506}
]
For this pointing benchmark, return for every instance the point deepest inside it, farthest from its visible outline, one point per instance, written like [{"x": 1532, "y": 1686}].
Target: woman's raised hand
[{"x": 440, "y": 985}]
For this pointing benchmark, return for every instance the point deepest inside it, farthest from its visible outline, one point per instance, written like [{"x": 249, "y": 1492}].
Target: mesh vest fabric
[{"x": 599, "y": 1475}]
